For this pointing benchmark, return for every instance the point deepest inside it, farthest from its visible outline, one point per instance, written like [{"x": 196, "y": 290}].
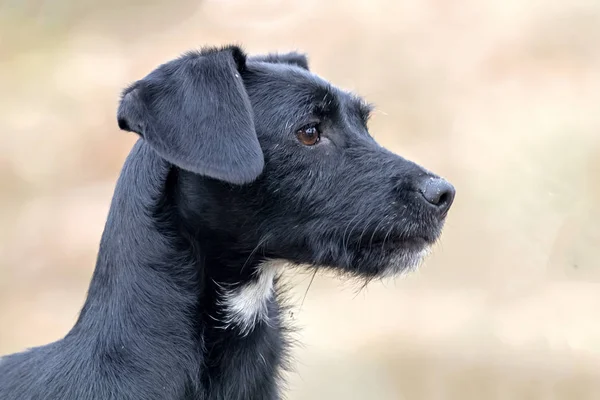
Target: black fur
[{"x": 217, "y": 184}]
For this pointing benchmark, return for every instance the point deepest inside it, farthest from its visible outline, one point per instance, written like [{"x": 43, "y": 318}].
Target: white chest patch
[{"x": 246, "y": 305}]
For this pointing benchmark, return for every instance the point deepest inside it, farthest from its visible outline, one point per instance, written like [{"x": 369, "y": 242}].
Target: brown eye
[{"x": 309, "y": 135}]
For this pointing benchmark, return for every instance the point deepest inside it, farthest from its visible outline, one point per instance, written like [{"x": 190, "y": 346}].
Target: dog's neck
[
  {"x": 151, "y": 290},
  {"x": 144, "y": 287}
]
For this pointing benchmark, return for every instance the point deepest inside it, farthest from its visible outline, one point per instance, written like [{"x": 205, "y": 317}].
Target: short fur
[{"x": 183, "y": 303}]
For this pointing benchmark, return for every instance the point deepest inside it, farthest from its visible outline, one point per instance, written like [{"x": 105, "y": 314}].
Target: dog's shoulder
[
  {"x": 60, "y": 371},
  {"x": 22, "y": 375}
]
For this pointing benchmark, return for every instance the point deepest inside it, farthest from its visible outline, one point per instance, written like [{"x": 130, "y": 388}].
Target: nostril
[
  {"x": 444, "y": 198},
  {"x": 438, "y": 192}
]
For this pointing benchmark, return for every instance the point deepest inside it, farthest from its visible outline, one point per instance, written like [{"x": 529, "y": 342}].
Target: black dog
[{"x": 243, "y": 163}]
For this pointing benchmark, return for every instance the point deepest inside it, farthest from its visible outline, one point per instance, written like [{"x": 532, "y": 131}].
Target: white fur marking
[
  {"x": 404, "y": 263},
  {"x": 247, "y": 305}
]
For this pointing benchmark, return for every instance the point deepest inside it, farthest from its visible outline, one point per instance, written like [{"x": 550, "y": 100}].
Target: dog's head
[{"x": 273, "y": 161}]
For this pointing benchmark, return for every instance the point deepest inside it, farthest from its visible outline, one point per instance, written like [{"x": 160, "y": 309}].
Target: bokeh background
[{"x": 502, "y": 97}]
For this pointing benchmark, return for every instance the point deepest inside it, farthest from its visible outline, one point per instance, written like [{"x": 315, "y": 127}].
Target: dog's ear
[
  {"x": 195, "y": 113},
  {"x": 292, "y": 58}
]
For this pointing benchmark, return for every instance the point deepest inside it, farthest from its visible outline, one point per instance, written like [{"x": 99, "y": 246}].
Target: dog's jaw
[{"x": 247, "y": 305}]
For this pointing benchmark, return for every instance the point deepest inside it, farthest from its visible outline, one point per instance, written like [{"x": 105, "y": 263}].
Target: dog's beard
[
  {"x": 404, "y": 262},
  {"x": 375, "y": 262},
  {"x": 394, "y": 257}
]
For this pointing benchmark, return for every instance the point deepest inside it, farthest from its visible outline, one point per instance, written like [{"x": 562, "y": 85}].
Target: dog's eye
[{"x": 309, "y": 135}]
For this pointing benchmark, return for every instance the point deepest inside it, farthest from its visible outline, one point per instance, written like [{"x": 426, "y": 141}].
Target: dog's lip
[
  {"x": 416, "y": 242},
  {"x": 410, "y": 243}
]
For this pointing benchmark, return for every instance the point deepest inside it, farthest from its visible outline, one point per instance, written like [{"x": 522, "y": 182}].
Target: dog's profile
[{"x": 243, "y": 164}]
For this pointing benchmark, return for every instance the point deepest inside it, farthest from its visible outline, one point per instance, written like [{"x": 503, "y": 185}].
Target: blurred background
[{"x": 502, "y": 97}]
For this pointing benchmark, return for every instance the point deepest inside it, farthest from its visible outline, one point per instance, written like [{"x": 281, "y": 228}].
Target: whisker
[
  {"x": 260, "y": 243},
  {"x": 345, "y": 230},
  {"x": 365, "y": 230},
  {"x": 387, "y": 235},
  {"x": 363, "y": 286},
  {"x": 375, "y": 231},
  {"x": 353, "y": 227},
  {"x": 309, "y": 285}
]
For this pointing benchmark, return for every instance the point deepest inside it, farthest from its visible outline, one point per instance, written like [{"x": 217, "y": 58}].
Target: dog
[{"x": 243, "y": 163}]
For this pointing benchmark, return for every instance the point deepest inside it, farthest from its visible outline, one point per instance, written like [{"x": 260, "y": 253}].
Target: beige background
[{"x": 500, "y": 96}]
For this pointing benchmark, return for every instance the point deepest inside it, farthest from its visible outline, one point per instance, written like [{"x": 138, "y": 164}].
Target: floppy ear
[
  {"x": 292, "y": 58},
  {"x": 195, "y": 113}
]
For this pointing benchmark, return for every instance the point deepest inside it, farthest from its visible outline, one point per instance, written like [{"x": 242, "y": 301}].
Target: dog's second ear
[
  {"x": 292, "y": 58},
  {"x": 195, "y": 113}
]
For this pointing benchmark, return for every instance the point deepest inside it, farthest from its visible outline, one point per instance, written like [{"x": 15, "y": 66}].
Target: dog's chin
[
  {"x": 404, "y": 261},
  {"x": 402, "y": 257},
  {"x": 390, "y": 259}
]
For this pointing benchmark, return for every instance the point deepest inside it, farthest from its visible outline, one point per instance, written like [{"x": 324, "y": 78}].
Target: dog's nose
[{"x": 439, "y": 193}]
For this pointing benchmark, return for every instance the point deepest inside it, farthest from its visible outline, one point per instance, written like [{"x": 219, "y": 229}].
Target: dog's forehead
[
  {"x": 280, "y": 79},
  {"x": 291, "y": 77}
]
